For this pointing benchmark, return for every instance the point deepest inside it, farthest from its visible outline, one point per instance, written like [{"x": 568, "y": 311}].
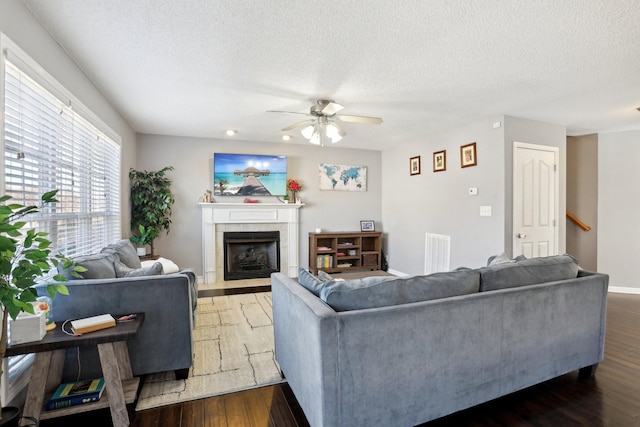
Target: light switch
[
  {"x": 473, "y": 191},
  {"x": 485, "y": 210}
]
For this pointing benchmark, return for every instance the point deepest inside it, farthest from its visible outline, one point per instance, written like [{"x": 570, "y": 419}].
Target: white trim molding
[{"x": 220, "y": 217}]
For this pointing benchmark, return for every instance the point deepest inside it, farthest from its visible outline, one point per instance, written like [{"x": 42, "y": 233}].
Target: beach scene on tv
[{"x": 249, "y": 175}]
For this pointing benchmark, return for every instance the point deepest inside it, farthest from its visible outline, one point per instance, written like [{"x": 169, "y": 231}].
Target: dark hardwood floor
[{"x": 611, "y": 398}]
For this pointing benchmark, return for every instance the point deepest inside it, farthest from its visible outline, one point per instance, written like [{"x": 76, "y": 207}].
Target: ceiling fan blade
[
  {"x": 286, "y": 112},
  {"x": 331, "y": 108},
  {"x": 361, "y": 119},
  {"x": 295, "y": 125}
]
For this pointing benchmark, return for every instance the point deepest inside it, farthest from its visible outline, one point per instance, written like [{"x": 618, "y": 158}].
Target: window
[{"x": 51, "y": 141}]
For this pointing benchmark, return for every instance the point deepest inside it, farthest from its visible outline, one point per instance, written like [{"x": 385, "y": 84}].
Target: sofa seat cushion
[
  {"x": 372, "y": 292},
  {"x": 99, "y": 266},
  {"x": 528, "y": 272},
  {"x": 125, "y": 251}
]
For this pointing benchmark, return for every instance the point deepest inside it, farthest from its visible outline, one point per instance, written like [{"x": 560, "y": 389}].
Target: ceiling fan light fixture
[
  {"x": 333, "y": 132},
  {"x": 307, "y": 132}
]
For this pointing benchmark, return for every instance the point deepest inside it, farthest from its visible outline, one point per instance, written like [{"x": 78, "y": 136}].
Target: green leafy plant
[
  {"x": 25, "y": 259},
  {"x": 142, "y": 237},
  {"x": 151, "y": 201}
]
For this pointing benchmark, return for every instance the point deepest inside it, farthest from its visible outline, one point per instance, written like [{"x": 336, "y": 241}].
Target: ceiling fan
[{"x": 325, "y": 123}]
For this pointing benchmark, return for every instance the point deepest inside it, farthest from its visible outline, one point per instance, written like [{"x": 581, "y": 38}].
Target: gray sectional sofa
[
  {"x": 116, "y": 283},
  {"x": 404, "y": 351}
]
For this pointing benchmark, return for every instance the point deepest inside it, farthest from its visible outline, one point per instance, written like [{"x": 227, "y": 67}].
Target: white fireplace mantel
[{"x": 266, "y": 216}]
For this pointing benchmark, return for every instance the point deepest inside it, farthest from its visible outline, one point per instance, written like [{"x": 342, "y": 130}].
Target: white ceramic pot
[{"x": 141, "y": 251}]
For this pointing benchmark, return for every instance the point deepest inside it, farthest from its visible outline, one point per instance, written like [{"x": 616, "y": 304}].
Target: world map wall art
[{"x": 343, "y": 177}]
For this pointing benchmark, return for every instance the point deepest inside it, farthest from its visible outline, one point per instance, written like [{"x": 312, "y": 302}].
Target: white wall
[
  {"x": 534, "y": 132},
  {"x": 192, "y": 159},
  {"x": 24, "y": 30},
  {"x": 619, "y": 208},
  {"x": 439, "y": 202}
]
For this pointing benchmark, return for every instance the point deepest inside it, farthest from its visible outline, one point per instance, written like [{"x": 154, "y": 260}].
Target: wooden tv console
[{"x": 345, "y": 251}]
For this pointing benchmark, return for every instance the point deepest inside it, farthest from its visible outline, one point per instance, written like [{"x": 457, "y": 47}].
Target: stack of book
[
  {"x": 324, "y": 261},
  {"x": 76, "y": 393}
]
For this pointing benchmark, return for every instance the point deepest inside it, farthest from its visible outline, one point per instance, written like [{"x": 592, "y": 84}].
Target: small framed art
[
  {"x": 367, "y": 225},
  {"x": 468, "y": 155},
  {"x": 440, "y": 161},
  {"x": 414, "y": 165}
]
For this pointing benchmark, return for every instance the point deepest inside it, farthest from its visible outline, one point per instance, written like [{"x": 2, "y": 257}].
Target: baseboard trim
[{"x": 624, "y": 290}]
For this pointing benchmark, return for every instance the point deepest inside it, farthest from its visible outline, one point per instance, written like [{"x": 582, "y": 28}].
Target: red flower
[{"x": 293, "y": 185}]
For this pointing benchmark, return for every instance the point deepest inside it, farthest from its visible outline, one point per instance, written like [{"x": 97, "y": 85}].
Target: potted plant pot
[
  {"x": 141, "y": 250},
  {"x": 10, "y": 416}
]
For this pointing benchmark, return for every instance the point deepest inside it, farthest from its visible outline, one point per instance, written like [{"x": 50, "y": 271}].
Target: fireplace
[
  {"x": 251, "y": 255},
  {"x": 220, "y": 218}
]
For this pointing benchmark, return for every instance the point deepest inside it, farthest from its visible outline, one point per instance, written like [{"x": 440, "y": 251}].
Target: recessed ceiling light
[
  {"x": 286, "y": 137},
  {"x": 231, "y": 132}
]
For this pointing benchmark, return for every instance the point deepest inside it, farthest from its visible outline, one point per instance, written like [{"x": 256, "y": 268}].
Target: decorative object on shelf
[
  {"x": 367, "y": 225},
  {"x": 44, "y": 305},
  {"x": 141, "y": 239},
  {"x": 248, "y": 200},
  {"x": 468, "y": 155},
  {"x": 285, "y": 198},
  {"x": 343, "y": 177},
  {"x": 414, "y": 165},
  {"x": 440, "y": 161},
  {"x": 207, "y": 198},
  {"x": 294, "y": 186},
  {"x": 25, "y": 258},
  {"x": 151, "y": 201}
]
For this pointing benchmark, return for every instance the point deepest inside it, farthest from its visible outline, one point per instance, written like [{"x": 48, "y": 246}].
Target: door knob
[{"x": 522, "y": 236}]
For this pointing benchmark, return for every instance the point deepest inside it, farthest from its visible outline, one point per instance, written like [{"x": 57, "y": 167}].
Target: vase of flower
[{"x": 294, "y": 186}]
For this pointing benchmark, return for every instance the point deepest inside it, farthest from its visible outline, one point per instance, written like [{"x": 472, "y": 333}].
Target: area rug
[{"x": 234, "y": 351}]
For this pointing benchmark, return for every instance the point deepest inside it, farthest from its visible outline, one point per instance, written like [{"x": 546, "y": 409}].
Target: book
[
  {"x": 76, "y": 393},
  {"x": 94, "y": 323}
]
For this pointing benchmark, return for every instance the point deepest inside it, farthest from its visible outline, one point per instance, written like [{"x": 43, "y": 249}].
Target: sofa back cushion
[
  {"x": 372, "y": 292},
  {"x": 99, "y": 266},
  {"x": 528, "y": 272},
  {"x": 125, "y": 251}
]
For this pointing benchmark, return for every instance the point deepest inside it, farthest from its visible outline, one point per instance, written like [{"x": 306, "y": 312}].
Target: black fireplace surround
[{"x": 251, "y": 254}]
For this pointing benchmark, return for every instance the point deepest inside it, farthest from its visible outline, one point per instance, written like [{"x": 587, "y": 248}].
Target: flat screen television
[{"x": 249, "y": 175}]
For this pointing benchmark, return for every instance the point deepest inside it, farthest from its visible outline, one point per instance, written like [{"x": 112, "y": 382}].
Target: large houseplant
[
  {"x": 151, "y": 201},
  {"x": 25, "y": 258}
]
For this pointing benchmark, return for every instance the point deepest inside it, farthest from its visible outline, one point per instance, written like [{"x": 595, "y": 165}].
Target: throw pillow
[
  {"x": 311, "y": 282},
  {"x": 324, "y": 276},
  {"x": 500, "y": 259},
  {"x": 125, "y": 251},
  {"x": 168, "y": 266},
  {"x": 122, "y": 270}
]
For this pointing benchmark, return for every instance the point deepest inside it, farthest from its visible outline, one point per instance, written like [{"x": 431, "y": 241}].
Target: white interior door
[{"x": 535, "y": 200}]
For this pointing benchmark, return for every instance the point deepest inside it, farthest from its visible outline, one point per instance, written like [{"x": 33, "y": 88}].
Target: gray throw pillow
[
  {"x": 99, "y": 266},
  {"x": 324, "y": 276},
  {"x": 124, "y": 271},
  {"x": 125, "y": 251},
  {"x": 310, "y": 282}
]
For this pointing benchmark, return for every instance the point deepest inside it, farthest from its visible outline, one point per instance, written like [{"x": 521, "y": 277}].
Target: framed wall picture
[
  {"x": 440, "y": 161},
  {"x": 468, "y": 155},
  {"x": 367, "y": 225},
  {"x": 414, "y": 165}
]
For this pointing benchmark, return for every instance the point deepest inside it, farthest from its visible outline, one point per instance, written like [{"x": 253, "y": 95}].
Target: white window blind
[
  {"x": 48, "y": 143},
  {"x": 50, "y": 146}
]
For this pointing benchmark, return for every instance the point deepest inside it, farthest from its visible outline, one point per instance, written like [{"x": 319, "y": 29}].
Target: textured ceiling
[{"x": 198, "y": 67}]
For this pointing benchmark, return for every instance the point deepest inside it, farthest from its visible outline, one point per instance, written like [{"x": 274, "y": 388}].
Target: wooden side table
[{"x": 46, "y": 373}]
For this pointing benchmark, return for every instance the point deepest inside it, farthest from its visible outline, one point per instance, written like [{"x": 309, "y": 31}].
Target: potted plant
[
  {"x": 25, "y": 258},
  {"x": 141, "y": 239},
  {"x": 151, "y": 201}
]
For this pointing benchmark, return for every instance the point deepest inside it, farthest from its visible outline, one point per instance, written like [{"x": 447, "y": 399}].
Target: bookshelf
[{"x": 345, "y": 251}]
